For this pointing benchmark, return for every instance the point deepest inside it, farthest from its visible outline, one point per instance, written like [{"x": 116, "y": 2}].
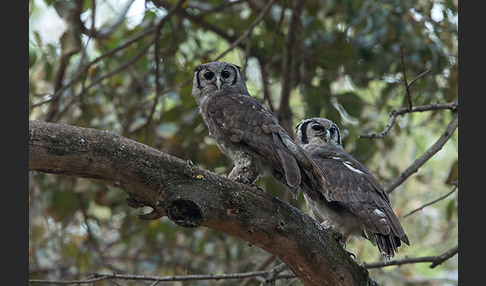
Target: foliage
[{"x": 130, "y": 71}]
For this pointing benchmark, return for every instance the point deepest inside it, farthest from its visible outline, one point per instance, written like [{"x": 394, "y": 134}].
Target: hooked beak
[
  {"x": 218, "y": 82},
  {"x": 327, "y": 136}
]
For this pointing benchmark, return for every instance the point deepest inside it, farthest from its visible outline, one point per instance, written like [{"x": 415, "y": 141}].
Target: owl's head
[
  {"x": 216, "y": 76},
  {"x": 317, "y": 130}
]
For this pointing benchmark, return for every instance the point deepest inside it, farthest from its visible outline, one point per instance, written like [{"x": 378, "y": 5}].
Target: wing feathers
[
  {"x": 243, "y": 120},
  {"x": 354, "y": 187}
]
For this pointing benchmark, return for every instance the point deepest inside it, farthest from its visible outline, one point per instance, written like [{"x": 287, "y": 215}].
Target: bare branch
[
  {"x": 407, "y": 87},
  {"x": 432, "y": 202},
  {"x": 436, "y": 260},
  {"x": 393, "y": 117},
  {"x": 394, "y": 114},
  {"x": 418, "y": 77},
  {"x": 97, "y": 277},
  {"x": 427, "y": 154}
]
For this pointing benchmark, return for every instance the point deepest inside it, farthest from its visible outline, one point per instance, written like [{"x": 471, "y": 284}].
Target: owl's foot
[
  {"x": 243, "y": 180},
  {"x": 248, "y": 182},
  {"x": 350, "y": 254},
  {"x": 339, "y": 238},
  {"x": 335, "y": 233},
  {"x": 256, "y": 187}
]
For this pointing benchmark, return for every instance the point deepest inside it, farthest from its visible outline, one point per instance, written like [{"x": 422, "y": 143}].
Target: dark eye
[
  {"x": 332, "y": 129},
  {"x": 225, "y": 74},
  {"x": 208, "y": 75},
  {"x": 317, "y": 127}
]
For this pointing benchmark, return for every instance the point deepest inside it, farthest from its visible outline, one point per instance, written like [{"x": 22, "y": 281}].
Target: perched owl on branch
[
  {"x": 248, "y": 133},
  {"x": 354, "y": 203}
]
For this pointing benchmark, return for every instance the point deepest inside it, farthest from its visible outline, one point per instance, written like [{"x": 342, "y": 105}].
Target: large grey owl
[
  {"x": 248, "y": 133},
  {"x": 354, "y": 203}
]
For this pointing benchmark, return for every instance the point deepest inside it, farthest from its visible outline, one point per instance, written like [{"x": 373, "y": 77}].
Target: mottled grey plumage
[
  {"x": 354, "y": 203},
  {"x": 247, "y": 132}
]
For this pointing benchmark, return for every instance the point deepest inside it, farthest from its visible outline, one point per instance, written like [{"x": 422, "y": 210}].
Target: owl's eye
[
  {"x": 317, "y": 127},
  {"x": 225, "y": 74},
  {"x": 208, "y": 75}
]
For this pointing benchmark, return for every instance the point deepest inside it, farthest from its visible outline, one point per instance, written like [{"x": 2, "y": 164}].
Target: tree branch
[
  {"x": 405, "y": 83},
  {"x": 426, "y": 155},
  {"x": 193, "y": 197},
  {"x": 395, "y": 113},
  {"x": 432, "y": 202},
  {"x": 97, "y": 277},
  {"x": 436, "y": 260}
]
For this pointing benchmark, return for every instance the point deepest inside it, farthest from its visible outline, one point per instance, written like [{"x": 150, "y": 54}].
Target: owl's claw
[
  {"x": 339, "y": 237},
  {"x": 334, "y": 233},
  {"x": 257, "y": 187},
  {"x": 248, "y": 182},
  {"x": 351, "y": 255},
  {"x": 241, "y": 180}
]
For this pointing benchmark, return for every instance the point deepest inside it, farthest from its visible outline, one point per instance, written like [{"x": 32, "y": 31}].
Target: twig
[
  {"x": 394, "y": 114},
  {"x": 427, "y": 154},
  {"x": 432, "y": 202},
  {"x": 409, "y": 108},
  {"x": 97, "y": 277},
  {"x": 436, "y": 260},
  {"x": 417, "y": 77},
  {"x": 393, "y": 117},
  {"x": 266, "y": 262},
  {"x": 407, "y": 87}
]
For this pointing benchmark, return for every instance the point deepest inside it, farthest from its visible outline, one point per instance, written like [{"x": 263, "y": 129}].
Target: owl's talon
[
  {"x": 257, "y": 187},
  {"x": 335, "y": 234},
  {"x": 351, "y": 255}
]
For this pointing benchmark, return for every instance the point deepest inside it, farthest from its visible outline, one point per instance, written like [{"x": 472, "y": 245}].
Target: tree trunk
[{"x": 193, "y": 197}]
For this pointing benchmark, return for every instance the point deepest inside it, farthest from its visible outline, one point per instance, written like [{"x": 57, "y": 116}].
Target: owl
[
  {"x": 248, "y": 133},
  {"x": 354, "y": 203}
]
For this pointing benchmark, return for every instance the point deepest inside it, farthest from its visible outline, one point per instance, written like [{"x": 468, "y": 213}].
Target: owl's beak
[
  {"x": 327, "y": 136},
  {"x": 218, "y": 82}
]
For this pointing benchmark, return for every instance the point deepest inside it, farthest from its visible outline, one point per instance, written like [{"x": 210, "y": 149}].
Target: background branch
[
  {"x": 436, "y": 260},
  {"x": 432, "y": 202},
  {"x": 453, "y": 106},
  {"x": 98, "y": 277},
  {"x": 427, "y": 154}
]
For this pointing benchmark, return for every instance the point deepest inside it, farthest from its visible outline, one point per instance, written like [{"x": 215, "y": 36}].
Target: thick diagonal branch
[{"x": 191, "y": 197}]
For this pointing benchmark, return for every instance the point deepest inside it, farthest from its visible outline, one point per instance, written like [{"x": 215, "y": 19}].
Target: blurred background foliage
[{"x": 127, "y": 66}]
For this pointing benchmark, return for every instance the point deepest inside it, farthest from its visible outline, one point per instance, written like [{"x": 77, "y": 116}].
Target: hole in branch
[{"x": 185, "y": 213}]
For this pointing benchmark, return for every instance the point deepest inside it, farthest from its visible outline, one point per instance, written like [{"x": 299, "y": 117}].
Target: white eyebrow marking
[{"x": 352, "y": 168}]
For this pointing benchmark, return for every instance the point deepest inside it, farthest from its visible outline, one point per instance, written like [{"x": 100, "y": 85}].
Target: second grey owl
[
  {"x": 248, "y": 133},
  {"x": 354, "y": 202}
]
